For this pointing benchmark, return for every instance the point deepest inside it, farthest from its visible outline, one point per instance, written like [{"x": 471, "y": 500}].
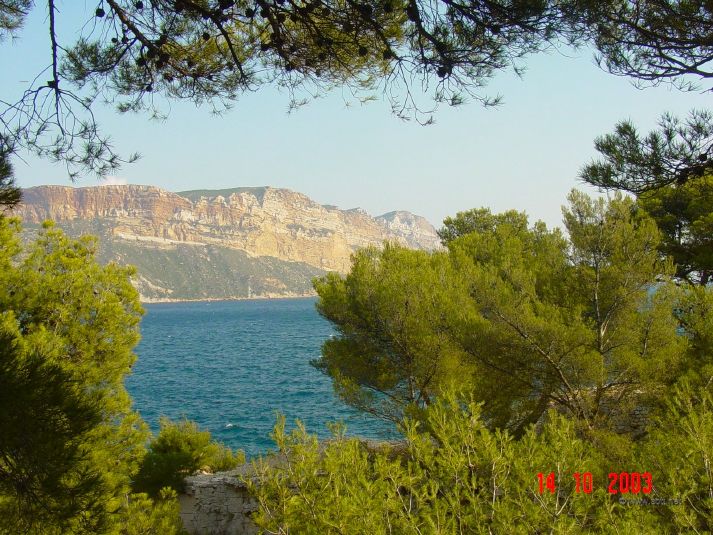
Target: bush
[
  {"x": 69, "y": 441},
  {"x": 179, "y": 450},
  {"x": 457, "y": 476},
  {"x": 144, "y": 516}
]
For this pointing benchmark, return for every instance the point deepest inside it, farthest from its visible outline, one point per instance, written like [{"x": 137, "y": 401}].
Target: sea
[{"x": 231, "y": 366}]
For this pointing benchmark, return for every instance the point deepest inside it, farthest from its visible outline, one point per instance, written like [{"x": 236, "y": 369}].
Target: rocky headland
[{"x": 219, "y": 244}]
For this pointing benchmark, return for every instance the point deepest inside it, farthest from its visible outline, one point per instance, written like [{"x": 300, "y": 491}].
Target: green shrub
[
  {"x": 179, "y": 450},
  {"x": 69, "y": 441},
  {"x": 144, "y": 516},
  {"x": 457, "y": 476}
]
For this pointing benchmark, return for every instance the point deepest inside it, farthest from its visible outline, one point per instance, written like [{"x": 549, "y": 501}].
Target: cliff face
[
  {"x": 251, "y": 222},
  {"x": 117, "y": 203}
]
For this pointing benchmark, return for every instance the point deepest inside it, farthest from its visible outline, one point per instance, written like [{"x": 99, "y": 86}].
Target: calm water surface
[{"x": 229, "y": 365}]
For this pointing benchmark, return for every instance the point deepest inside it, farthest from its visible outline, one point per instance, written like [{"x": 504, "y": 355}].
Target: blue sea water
[{"x": 229, "y": 365}]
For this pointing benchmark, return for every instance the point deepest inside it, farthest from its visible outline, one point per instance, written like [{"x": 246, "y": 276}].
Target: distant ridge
[
  {"x": 217, "y": 244},
  {"x": 196, "y": 194}
]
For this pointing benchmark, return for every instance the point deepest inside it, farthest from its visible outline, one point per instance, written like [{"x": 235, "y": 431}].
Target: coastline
[{"x": 158, "y": 300}]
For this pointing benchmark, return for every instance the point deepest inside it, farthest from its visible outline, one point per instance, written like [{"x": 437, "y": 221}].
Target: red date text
[{"x": 619, "y": 482}]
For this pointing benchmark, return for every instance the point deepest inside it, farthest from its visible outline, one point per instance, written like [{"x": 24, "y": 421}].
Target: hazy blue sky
[{"x": 525, "y": 154}]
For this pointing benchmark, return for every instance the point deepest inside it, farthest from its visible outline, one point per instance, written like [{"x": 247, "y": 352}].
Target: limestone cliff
[{"x": 221, "y": 243}]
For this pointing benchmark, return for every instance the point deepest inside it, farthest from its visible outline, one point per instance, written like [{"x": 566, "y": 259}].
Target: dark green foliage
[
  {"x": 479, "y": 220},
  {"x": 179, "y": 450},
  {"x": 454, "y": 475},
  {"x": 680, "y": 150},
  {"x": 684, "y": 214},
  {"x": 9, "y": 193},
  {"x": 395, "y": 314},
  {"x": 145, "y": 516},
  {"x": 570, "y": 323},
  {"x": 194, "y": 272},
  {"x": 346, "y": 43},
  {"x": 679, "y": 451},
  {"x": 69, "y": 441},
  {"x": 654, "y": 41},
  {"x": 670, "y": 171},
  {"x": 590, "y": 325},
  {"x": 212, "y": 53},
  {"x": 12, "y": 15},
  {"x": 44, "y": 421},
  {"x": 516, "y": 314},
  {"x": 696, "y": 314},
  {"x": 76, "y": 322}
]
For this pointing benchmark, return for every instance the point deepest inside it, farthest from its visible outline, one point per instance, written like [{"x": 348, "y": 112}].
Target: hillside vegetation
[{"x": 218, "y": 244}]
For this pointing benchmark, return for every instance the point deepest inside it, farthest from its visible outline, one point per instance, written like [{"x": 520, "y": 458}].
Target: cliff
[{"x": 223, "y": 243}]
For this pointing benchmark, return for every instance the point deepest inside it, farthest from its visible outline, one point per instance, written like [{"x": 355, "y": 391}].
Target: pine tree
[
  {"x": 70, "y": 443},
  {"x": 9, "y": 193},
  {"x": 519, "y": 315}
]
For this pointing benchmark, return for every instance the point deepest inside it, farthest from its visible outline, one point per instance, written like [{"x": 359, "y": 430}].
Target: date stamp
[{"x": 619, "y": 482}]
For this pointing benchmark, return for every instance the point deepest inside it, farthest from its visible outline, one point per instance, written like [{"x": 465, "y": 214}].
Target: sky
[{"x": 525, "y": 154}]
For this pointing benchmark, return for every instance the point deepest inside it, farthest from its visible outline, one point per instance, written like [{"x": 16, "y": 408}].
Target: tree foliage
[
  {"x": 654, "y": 41},
  {"x": 43, "y": 476},
  {"x": 395, "y": 312},
  {"x": 9, "y": 193},
  {"x": 696, "y": 316},
  {"x": 179, "y": 450},
  {"x": 678, "y": 449},
  {"x": 678, "y": 151},
  {"x": 589, "y": 326},
  {"x": 684, "y": 214},
  {"x": 520, "y": 316},
  {"x": 212, "y": 51},
  {"x": 69, "y": 442},
  {"x": 479, "y": 220},
  {"x": 12, "y": 15},
  {"x": 670, "y": 172},
  {"x": 83, "y": 320},
  {"x": 454, "y": 475},
  {"x": 143, "y": 516}
]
